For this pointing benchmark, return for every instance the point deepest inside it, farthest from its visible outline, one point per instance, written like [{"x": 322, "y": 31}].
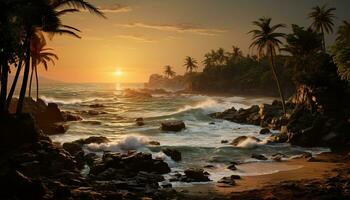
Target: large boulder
[
  {"x": 174, "y": 126},
  {"x": 18, "y": 130},
  {"x": 172, "y": 153},
  {"x": 195, "y": 175}
]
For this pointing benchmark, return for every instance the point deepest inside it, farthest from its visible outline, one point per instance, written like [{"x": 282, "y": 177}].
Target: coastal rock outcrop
[
  {"x": 174, "y": 125},
  {"x": 172, "y": 153},
  {"x": 265, "y": 115},
  {"x": 130, "y": 93},
  {"x": 195, "y": 175},
  {"x": 49, "y": 117}
]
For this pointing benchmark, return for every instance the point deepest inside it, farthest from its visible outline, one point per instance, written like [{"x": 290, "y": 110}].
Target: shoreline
[{"x": 322, "y": 167}]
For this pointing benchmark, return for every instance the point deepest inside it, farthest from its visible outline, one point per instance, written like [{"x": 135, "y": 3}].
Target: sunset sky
[{"x": 139, "y": 37}]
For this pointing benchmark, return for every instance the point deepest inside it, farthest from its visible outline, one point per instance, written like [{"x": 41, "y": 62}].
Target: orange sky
[{"x": 140, "y": 37}]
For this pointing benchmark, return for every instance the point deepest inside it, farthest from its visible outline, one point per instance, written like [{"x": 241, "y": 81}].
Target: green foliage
[
  {"x": 243, "y": 75},
  {"x": 341, "y": 51}
]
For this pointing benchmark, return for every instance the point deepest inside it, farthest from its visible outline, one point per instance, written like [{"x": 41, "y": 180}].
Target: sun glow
[{"x": 118, "y": 72}]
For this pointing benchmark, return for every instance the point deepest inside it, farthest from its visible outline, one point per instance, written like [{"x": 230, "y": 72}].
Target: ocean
[{"x": 200, "y": 143}]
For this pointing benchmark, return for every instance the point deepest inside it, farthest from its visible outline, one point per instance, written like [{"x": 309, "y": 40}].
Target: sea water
[{"x": 200, "y": 143}]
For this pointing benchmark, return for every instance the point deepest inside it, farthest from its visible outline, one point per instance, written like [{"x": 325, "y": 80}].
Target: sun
[{"x": 118, "y": 72}]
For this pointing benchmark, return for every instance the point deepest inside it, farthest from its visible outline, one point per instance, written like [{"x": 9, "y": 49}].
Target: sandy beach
[{"x": 320, "y": 168}]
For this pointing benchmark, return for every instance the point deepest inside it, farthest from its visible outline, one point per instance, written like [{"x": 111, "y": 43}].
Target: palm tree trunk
[
  {"x": 273, "y": 67},
  {"x": 37, "y": 83},
  {"x": 31, "y": 80},
  {"x": 3, "y": 93},
  {"x": 14, "y": 83},
  {"x": 323, "y": 40},
  {"x": 26, "y": 73}
]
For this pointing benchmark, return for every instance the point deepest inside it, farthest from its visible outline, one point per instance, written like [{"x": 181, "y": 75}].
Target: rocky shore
[{"x": 310, "y": 120}]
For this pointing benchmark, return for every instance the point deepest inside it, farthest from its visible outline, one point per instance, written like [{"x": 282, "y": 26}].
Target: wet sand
[{"x": 299, "y": 169}]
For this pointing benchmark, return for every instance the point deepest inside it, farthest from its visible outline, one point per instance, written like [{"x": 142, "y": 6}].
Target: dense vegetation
[{"x": 290, "y": 60}]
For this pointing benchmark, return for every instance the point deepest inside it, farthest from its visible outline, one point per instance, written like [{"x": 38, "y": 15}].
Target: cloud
[
  {"x": 180, "y": 28},
  {"x": 115, "y": 8},
  {"x": 136, "y": 38}
]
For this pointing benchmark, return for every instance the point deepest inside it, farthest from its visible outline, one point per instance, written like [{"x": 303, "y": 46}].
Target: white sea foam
[
  {"x": 251, "y": 143},
  {"x": 129, "y": 142},
  {"x": 72, "y": 101}
]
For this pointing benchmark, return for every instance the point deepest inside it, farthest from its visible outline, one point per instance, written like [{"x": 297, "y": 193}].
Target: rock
[
  {"x": 155, "y": 143},
  {"x": 173, "y": 154},
  {"x": 161, "y": 167},
  {"x": 93, "y": 112},
  {"x": 61, "y": 128},
  {"x": 173, "y": 126},
  {"x": 306, "y": 155},
  {"x": 209, "y": 166},
  {"x": 241, "y": 139},
  {"x": 278, "y": 138},
  {"x": 71, "y": 117},
  {"x": 312, "y": 159},
  {"x": 277, "y": 158},
  {"x": 19, "y": 186},
  {"x": 211, "y": 123},
  {"x": 236, "y": 177},
  {"x": 129, "y": 93},
  {"x": 224, "y": 141},
  {"x": 97, "y": 105},
  {"x": 264, "y": 131},
  {"x": 227, "y": 180},
  {"x": 27, "y": 132},
  {"x": 258, "y": 156},
  {"x": 166, "y": 185},
  {"x": 195, "y": 175},
  {"x": 95, "y": 139},
  {"x": 232, "y": 167},
  {"x": 139, "y": 121},
  {"x": 72, "y": 147}
]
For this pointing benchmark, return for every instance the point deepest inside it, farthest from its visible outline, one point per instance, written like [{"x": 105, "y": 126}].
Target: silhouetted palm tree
[
  {"x": 45, "y": 15},
  {"x": 341, "y": 51},
  {"x": 236, "y": 54},
  {"x": 168, "y": 71},
  {"x": 267, "y": 42},
  {"x": 40, "y": 55},
  {"x": 221, "y": 57},
  {"x": 303, "y": 45},
  {"x": 190, "y": 64},
  {"x": 322, "y": 21}
]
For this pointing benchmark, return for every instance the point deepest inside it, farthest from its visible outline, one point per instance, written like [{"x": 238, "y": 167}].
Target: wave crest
[{"x": 127, "y": 143}]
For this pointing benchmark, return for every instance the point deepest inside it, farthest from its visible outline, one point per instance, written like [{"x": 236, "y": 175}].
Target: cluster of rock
[
  {"x": 303, "y": 125},
  {"x": 159, "y": 81},
  {"x": 191, "y": 175},
  {"x": 48, "y": 116},
  {"x": 265, "y": 115},
  {"x": 32, "y": 166}
]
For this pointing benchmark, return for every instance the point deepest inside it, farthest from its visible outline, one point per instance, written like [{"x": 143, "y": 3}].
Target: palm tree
[
  {"x": 168, "y": 71},
  {"x": 303, "y": 45},
  {"x": 341, "y": 51},
  {"x": 221, "y": 58},
  {"x": 191, "y": 64},
  {"x": 208, "y": 60},
  {"x": 45, "y": 16},
  {"x": 267, "y": 42},
  {"x": 322, "y": 21},
  {"x": 40, "y": 55},
  {"x": 236, "y": 54}
]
